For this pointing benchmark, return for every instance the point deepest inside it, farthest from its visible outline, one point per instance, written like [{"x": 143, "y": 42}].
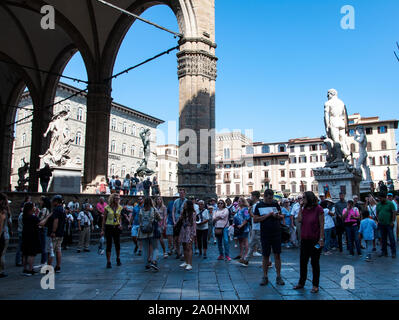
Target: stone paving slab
[{"x": 84, "y": 276}]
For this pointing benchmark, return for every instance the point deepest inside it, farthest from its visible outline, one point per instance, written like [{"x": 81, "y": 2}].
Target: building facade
[
  {"x": 166, "y": 166},
  {"x": 243, "y": 166},
  {"x": 125, "y": 145}
]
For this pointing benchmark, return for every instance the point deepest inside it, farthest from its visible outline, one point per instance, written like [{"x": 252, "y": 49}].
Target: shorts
[
  {"x": 53, "y": 245},
  {"x": 271, "y": 243},
  {"x": 169, "y": 230},
  {"x": 135, "y": 230},
  {"x": 243, "y": 235}
]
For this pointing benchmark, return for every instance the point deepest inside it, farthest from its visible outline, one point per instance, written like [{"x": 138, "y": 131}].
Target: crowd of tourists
[
  {"x": 184, "y": 228},
  {"x": 129, "y": 185}
]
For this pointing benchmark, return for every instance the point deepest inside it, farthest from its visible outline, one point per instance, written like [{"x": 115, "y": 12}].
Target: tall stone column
[
  {"x": 97, "y": 135},
  {"x": 197, "y": 75},
  {"x": 39, "y": 144},
  {"x": 5, "y": 158}
]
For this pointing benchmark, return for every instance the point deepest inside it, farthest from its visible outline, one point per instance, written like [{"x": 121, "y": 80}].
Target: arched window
[
  {"x": 124, "y": 127},
  {"x": 78, "y": 138},
  {"x": 293, "y": 187},
  {"x": 383, "y": 145},
  {"x": 123, "y": 172},
  {"x": 113, "y": 146},
  {"x": 353, "y": 147},
  {"x": 113, "y": 124},
  {"x": 133, "y": 130},
  {"x": 123, "y": 149},
  {"x": 132, "y": 150},
  {"x": 80, "y": 114},
  {"x": 265, "y": 149},
  {"x": 281, "y": 148}
]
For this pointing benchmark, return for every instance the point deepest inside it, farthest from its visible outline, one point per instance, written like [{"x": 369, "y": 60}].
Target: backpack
[
  {"x": 118, "y": 183},
  {"x": 147, "y": 222}
]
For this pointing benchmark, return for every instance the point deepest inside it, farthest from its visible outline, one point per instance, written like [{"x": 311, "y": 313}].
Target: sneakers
[
  {"x": 237, "y": 258},
  {"x": 189, "y": 267},
  {"x": 118, "y": 262},
  {"x": 86, "y": 250},
  {"x": 257, "y": 254},
  {"x": 139, "y": 254},
  {"x": 135, "y": 249},
  {"x": 228, "y": 258},
  {"x": 243, "y": 262},
  {"x": 264, "y": 281},
  {"x": 57, "y": 269},
  {"x": 280, "y": 281},
  {"x": 109, "y": 265},
  {"x": 221, "y": 257},
  {"x": 327, "y": 253},
  {"x": 154, "y": 266},
  {"x": 204, "y": 257},
  {"x": 78, "y": 251},
  {"x": 165, "y": 255},
  {"x": 26, "y": 273},
  {"x": 236, "y": 246},
  {"x": 270, "y": 264},
  {"x": 183, "y": 265},
  {"x": 214, "y": 242}
]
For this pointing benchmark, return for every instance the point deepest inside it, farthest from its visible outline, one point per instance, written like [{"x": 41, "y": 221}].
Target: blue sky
[{"x": 277, "y": 59}]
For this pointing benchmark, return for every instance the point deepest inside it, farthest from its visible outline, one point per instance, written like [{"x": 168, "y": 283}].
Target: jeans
[
  {"x": 327, "y": 237},
  {"x": 44, "y": 185},
  {"x": 387, "y": 231},
  {"x": 369, "y": 248},
  {"x": 223, "y": 241},
  {"x": 254, "y": 243},
  {"x": 308, "y": 250},
  {"x": 353, "y": 238},
  {"x": 133, "y": 191},
  {"x": 42, "y": 236},
  {"x": 18, "y": 254},
  {"x": 146, "y": 243},
  {"x": 146, "y": 192}
]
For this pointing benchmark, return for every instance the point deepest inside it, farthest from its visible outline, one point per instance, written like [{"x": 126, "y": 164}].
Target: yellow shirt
[{"x": 113, "y": 218}]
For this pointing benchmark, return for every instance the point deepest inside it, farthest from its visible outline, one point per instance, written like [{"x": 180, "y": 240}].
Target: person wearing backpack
[
  {"x": 126, "y": 185},
  {"x": 187, "y": 233},
  {"x": 118, "y": 185},
  {"x": 133, "y": 185},
  {"x": 148, "y": 229}
]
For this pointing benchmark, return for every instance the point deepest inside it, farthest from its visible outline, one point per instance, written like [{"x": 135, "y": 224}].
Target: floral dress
[{"x": 188, "y": 230}]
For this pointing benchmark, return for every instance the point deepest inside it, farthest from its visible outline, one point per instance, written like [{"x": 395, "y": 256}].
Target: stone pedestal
[
  {"x": 339, "y": 177},
  {"x": 65, "y": 180},
  {"x": 365, "y": 186}
]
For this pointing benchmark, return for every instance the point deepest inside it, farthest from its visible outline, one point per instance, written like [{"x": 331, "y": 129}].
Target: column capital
[{"x": 196, "y": 63}]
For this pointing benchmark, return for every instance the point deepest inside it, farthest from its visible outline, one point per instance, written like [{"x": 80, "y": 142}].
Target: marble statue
[
  {"x": 143, "y": 169},
  {"x": 336, "y": 125},
  {"x": 389, "y": 174},
  {"x": 60, "y": 146},
  {"x": 361, "y": 138}
]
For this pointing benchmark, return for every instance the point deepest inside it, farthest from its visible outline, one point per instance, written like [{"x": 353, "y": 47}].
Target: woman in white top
[{"x": 221, "y": 225}]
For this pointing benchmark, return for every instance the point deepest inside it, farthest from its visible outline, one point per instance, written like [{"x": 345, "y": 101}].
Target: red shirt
[{"x": 310, "y": 226}]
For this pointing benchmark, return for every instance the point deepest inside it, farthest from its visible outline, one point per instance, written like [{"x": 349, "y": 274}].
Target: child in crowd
[{"x": 366, "y": 232}]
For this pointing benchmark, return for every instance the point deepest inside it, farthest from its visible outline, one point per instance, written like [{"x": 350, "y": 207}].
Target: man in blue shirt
[{"x": 134, "y": 223}]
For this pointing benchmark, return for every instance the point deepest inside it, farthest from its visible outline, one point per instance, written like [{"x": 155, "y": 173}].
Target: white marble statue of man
[
  {"x": 361, "y": 138},
  {"x": 335, "y": 121}
]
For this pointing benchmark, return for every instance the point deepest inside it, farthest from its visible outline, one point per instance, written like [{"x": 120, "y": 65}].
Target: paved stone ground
[{"x": 84, "y": 276}]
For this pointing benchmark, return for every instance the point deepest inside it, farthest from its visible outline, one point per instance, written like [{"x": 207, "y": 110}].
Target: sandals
[
  {"x": 315, "y": 290},
  {"x": 298, "y": 286}
]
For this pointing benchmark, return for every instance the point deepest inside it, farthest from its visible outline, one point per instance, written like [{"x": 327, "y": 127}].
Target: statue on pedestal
[
  {"x": 336, "y": 124},
  {"x": 60, "y": 146},
  {"x": 361, "y": 138},
  {"x": 143, "y": 170},
  {"x": 22, "y": 181}
]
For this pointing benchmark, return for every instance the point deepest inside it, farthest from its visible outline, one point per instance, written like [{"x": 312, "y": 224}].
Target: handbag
[{"x": 285, "y": 232}]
